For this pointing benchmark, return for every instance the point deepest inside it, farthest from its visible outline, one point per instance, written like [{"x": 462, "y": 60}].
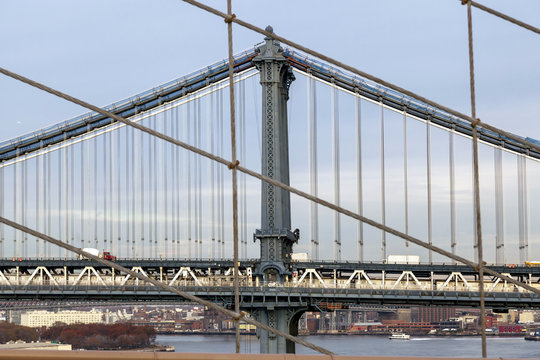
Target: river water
[{"x": 368, "y": 345}]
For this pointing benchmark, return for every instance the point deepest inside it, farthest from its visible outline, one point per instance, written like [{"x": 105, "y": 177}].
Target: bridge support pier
[{"x": 282, "y": 318}]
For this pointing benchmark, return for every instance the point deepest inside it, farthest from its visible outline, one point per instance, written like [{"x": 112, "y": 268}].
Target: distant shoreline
[{"x": 192, "y": 333}]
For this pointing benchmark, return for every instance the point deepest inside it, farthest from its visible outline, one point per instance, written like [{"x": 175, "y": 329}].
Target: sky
[{"x": 104, "y": 51}]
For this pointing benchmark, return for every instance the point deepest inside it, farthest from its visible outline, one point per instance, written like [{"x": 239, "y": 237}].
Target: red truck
[{"x": 107, "y": 256}]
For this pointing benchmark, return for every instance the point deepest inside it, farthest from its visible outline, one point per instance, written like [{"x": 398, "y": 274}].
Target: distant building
[
  {"x": 41, "y": 318},
  {"x": 526, "y": 317},
  {"x": 434, "y": 314}
]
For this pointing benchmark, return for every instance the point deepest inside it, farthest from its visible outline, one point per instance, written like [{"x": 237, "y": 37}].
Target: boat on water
[
  {"x": 400, "y": 336},
  {"x": 533, "y": 335}
]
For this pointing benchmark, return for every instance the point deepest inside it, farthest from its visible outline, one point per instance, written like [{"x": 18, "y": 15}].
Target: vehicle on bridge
[{"x": 92, "y": 251}]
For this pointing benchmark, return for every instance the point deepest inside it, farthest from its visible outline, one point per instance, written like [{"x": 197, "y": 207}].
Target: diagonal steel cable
[
  {"x": 356, "y": 71},
  {"x": 267, "y": 179},
  {"x": 503, "y": 16},
  {"x": 233, "y": 314}
]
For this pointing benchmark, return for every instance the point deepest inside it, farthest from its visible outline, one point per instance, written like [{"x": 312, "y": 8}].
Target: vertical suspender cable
[
  {"x": 428, "y": 175},
  {"x": 112, "y": 171},
  {"x": 134, "y": 193},
  {"x": 522, "y": 209},
  {"x": 137, "y": 192},
  {"x": 165, "y": 189},
  {"x": 452, "y": 166},
  {"x": 525, "y": 216},
  {"x": 104, "y": 190},
  {"x": 15, "y": 206},
  {"x": 37, "y": 207},
  {"x": 211, "y": 168},
  {"x": 199, "y": 182},
  {"x": 118, "y": 198},
  {"x": 171, "y": 149},
  {"x": 155, "y": 182},
  {"x": 499, "y": 206},
  {"x": 127, "y": 186},
  {"x": 177, "y": 187},
  {"x": 175, "y": 184},
  {"x": 65, "y": 209},
  {"x": 151, "y": 223},
  {"x": 359, "y": 187},
  {"x": 176, "y": 151},
  {"x": 143, "y": 192},
  {"x": 196, "y": 176},
  {"x": 312, "y": 155},
  {"x": 95, "y": 193},
  {"x": 383, "y": 185},
  {"x": 81, "y": 215},
  {"x": 222, "y": 176},
  {"x": 159, "y": 192},
  {"x": 25, "y": 207},
  {"x": 2, "y": 210},
  {"x": 189, "y": 175},
  {"x": 234, "y": 172},
  {"x": 406, "y": 179},
  {"x": 476, "y": 184},
  {"x": 40, "y": 244},
  {"x": 239, "y": 111},
  {"x": 126, "y": 191},
  {"x": 72, "y": 193},
  {"x": 185, "y": 173},
  {"x": 244, "y": 189},
  {"x": 335, "y": 155},
  {"x": 219, "y": 171},
  {"x": 49, "y": 204},
  {"x": 59, "y": 196}
]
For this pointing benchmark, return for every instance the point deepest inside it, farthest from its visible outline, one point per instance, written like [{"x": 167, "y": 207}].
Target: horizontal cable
[
  {"x": 186, "y": 295},
  {"x": 503, "y": 16},
  {"x": 354, "y": 70},
  {"x": 266, "y": 179}
]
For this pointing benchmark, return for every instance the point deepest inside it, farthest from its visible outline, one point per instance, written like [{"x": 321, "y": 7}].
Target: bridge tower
[{"x": 275, "y": 235}]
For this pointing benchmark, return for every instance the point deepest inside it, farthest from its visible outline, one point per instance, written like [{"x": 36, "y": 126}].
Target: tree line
[
  {"x": 12, "y": 332},
  {"x": 83, "y": 336},
  {"x": 101, "y": 336}
]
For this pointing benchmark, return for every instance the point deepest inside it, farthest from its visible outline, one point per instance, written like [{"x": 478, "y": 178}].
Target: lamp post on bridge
[{"x": 275, "y": 235}]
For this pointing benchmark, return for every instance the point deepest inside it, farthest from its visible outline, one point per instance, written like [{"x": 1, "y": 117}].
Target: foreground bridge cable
[
  {"x": 476, "y": 180},
  {"x": 234, "y": 166},
  {"x": 232, "y": 314},
  {"x": 234, "y": 174}
]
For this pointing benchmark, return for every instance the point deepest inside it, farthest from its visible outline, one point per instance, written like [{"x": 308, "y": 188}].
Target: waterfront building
[{"x": 45, "y": 318}]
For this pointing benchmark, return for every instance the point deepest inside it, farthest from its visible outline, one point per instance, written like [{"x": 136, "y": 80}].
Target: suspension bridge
[{"x": 164, "y": 212}]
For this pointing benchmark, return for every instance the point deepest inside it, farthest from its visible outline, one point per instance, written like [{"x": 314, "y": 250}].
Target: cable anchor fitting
[
  {"x": 240, "y": 316},
  {"x": 229, "y": 19},
  {"x": 233, "y": 165}
]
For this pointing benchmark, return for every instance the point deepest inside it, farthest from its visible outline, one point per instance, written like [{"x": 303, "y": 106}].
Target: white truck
[
  {"x": 299, "y": 257},
  {"x": 91, "y": 251},
  {"x": 403, "y": 259}
]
